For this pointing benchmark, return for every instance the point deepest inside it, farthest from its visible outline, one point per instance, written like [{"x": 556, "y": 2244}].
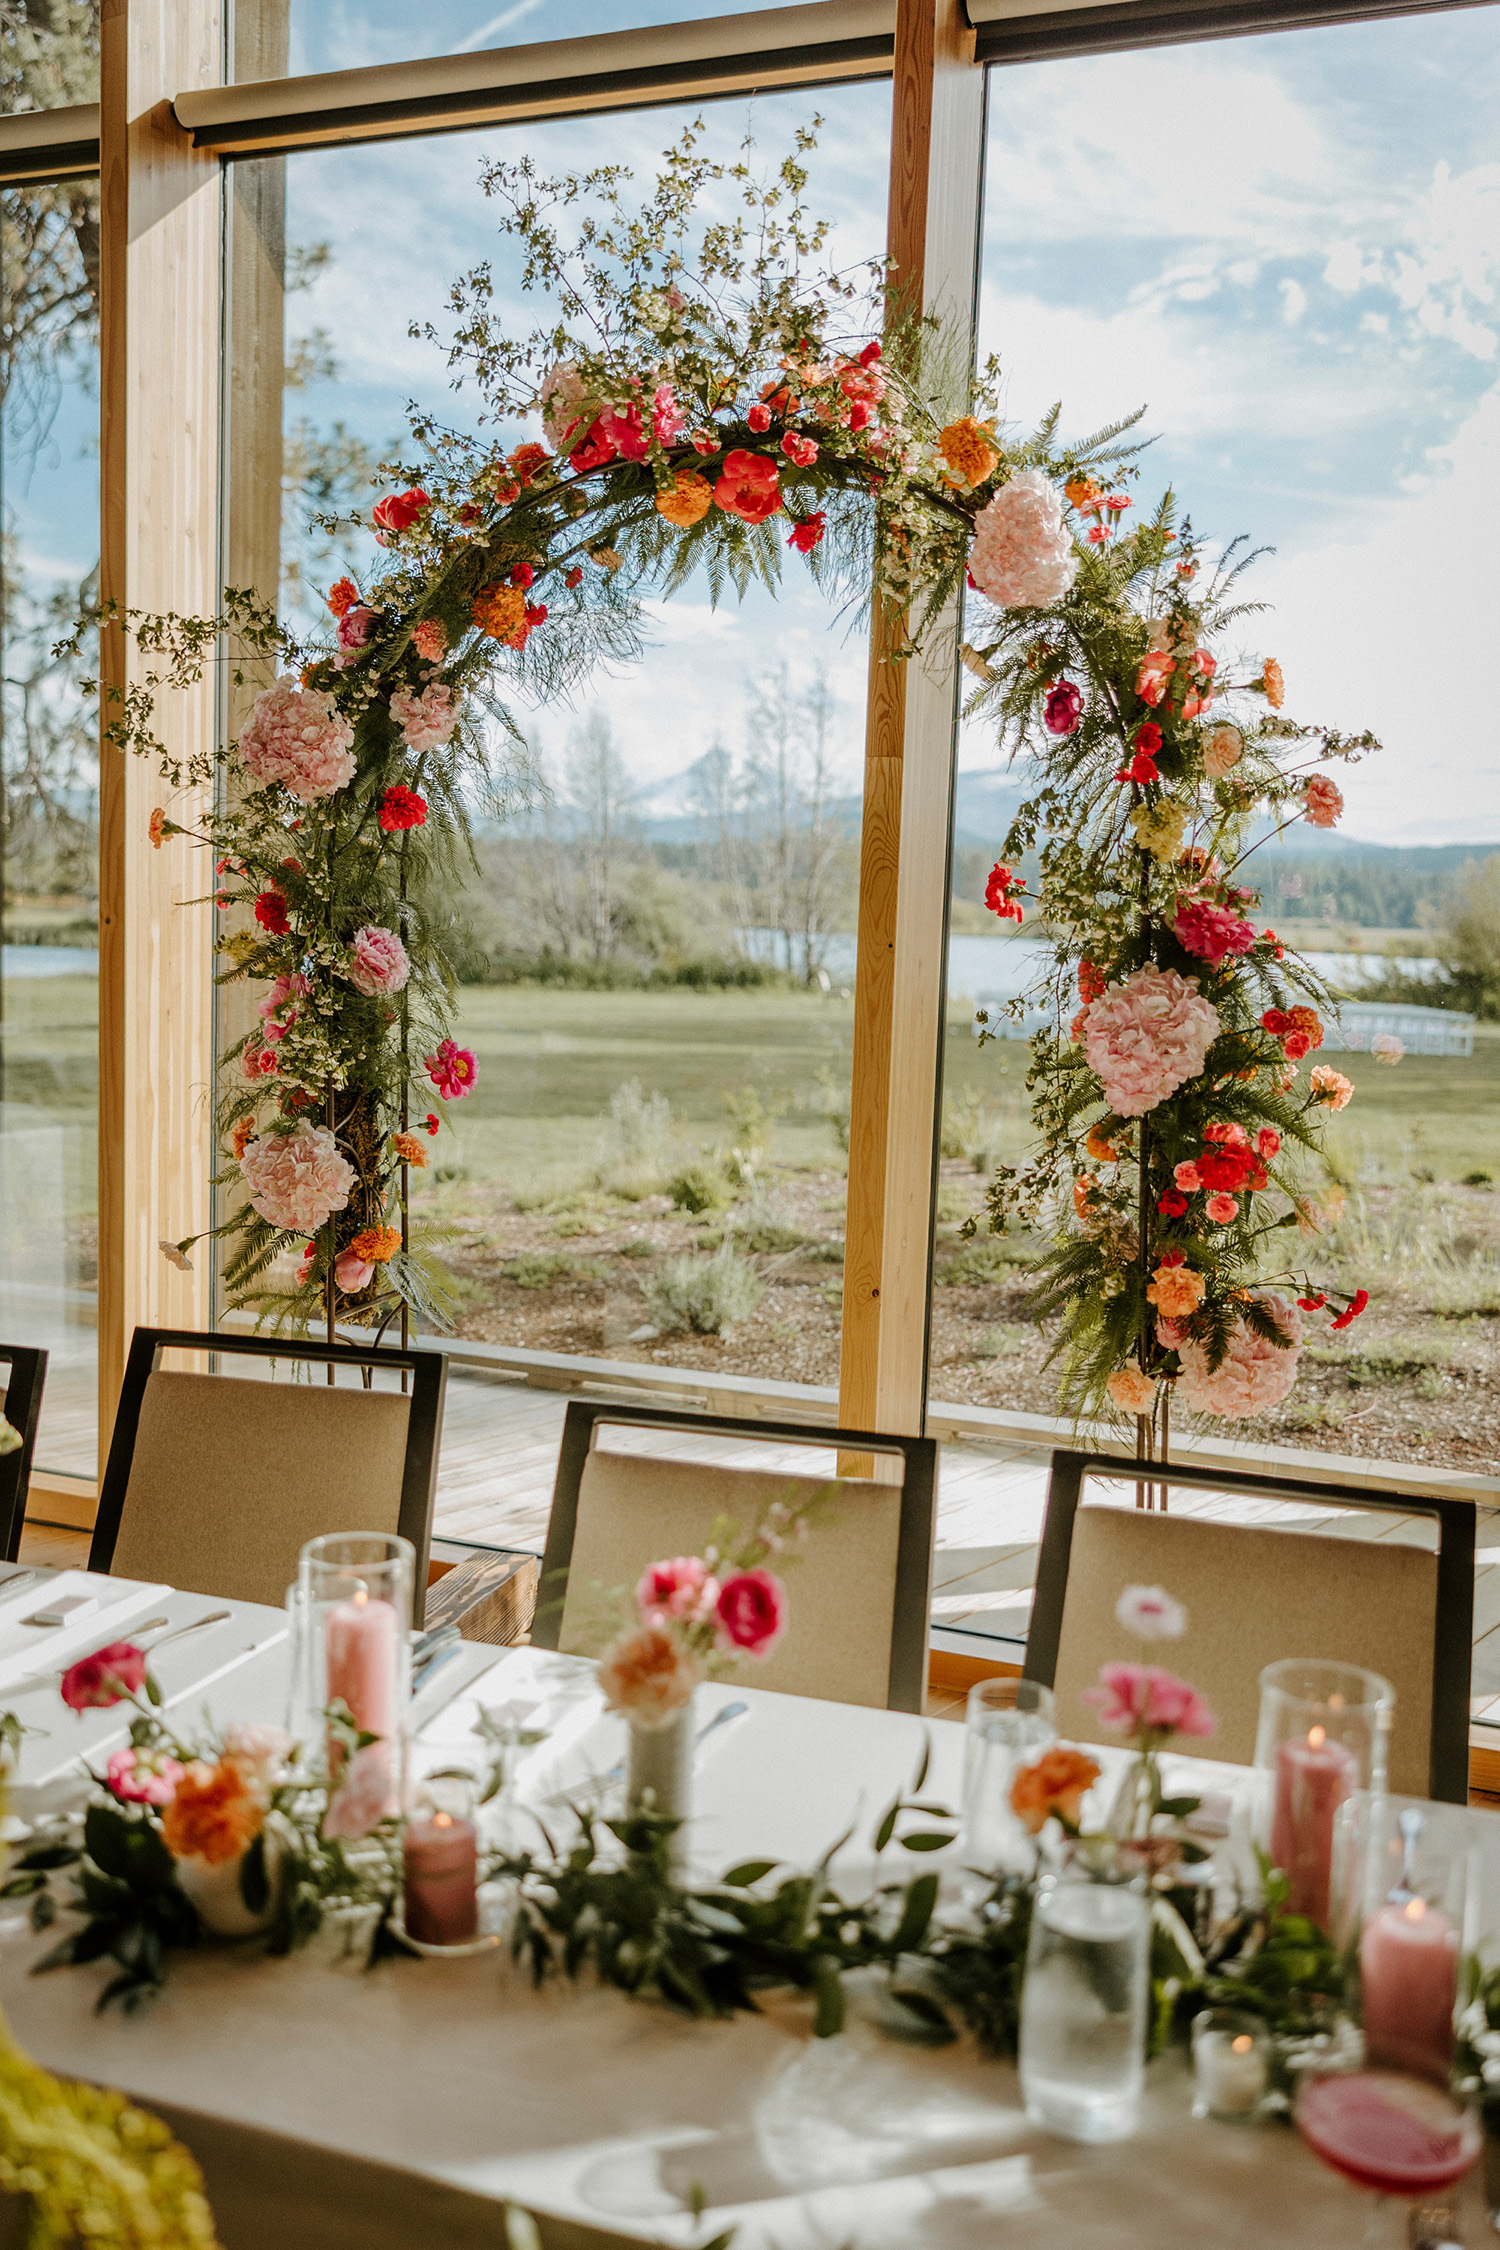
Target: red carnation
[
  {"x": 1172, "y": 1205},
  {"x": 522, "y": 575},
  {"x": 401, "y": 807},
  {"x": 1148, "y": 737},
  {"x": 869, "y": 355},
  {"x": 431, "y": 1122},
  {"x": 805, "y": 535},
  {"x": 398, "y": 511},
  {"x": 270, "y": 912}
]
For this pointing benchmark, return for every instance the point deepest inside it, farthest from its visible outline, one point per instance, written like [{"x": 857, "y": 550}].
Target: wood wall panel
[
  {"x": 937, "y": 145},
  {"x": 159, "y": 546}
]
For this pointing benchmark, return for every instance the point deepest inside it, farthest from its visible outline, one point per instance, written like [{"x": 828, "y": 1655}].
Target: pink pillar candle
[
  {"x": 1313, "y": 1777},
  {"x": 1408, "y": 1961},
  {"x": 361, "y": 1638},
  {"x": 441, "y": 1859}
]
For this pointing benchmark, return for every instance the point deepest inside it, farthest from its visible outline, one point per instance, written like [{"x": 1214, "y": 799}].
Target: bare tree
[
  {"x": 800, "y": 858},
  {"x": 598, "y": 802}
]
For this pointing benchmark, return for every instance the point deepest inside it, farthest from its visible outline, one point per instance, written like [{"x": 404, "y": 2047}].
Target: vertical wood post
[
  {"x": 937, "y": 154},
  {"x": 159, "y": 338}
]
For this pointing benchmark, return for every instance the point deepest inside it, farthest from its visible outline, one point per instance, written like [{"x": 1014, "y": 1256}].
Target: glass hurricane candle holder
[
  {"x": 352, "y": 1627},
  {"x": 1231, "y": 2064},
  {"x": 1324, "y": 1733},
  {"x": 1402, "y": 1890}
]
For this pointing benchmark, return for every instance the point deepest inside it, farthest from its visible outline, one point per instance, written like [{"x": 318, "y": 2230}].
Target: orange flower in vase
[
  {"x": 216, "y": 1814},
  {"x": 1055, "y": 1785}
]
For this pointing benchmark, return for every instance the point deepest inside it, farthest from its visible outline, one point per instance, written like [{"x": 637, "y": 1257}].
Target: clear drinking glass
[
  {"x": 351, "y": 1624},
  {"x": 1009, "y": 1723},
  {"x": 1083, "y": 2008}
]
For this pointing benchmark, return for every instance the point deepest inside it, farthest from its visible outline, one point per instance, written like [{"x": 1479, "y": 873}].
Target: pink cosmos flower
[
  {"x": 297, "y": 1180},
  {"x": 351, "y": 1272},
  {"x": 1211, "y": 931},
  {"x": 752, "y": 1611},
  {"x": 1142, "y": 1699},
  {"x": 142, "y": 1777},
  {"x": 378, "y": 962},
  {"x": 1186, "y": 1176},
  {"x": 297, "y": 736},
  {"x": 1221, "y": 1209},
  {"x": 452, "y": 1070},
  {"x": 1324, "y": 800},
  {"x": 96, "y": 1682},
  {"x": 1022, "y": 556},
  {"x": 683, "y": 1587}
]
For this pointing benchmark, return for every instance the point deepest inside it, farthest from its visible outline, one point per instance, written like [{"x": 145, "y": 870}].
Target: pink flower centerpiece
[{"x": 1149, "y": 1705}]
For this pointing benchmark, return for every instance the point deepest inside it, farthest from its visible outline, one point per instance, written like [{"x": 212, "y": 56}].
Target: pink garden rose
[
  {"x": 682, "y": 1587},
  {"x": 452, "y": 1070},
  {"x": 427, "y": 720},
  {"x": 1063, "y": 708},
  {"x": 1223, "y": 747},
  {"x": 1211, "y": 931},
  {"x": 1324, "y": 800},
  {"x": 752, "y": 1611},
  {"x": 142, "y": 1777},
  {"x": 297, "y": 1180},
  {"x": 351, "y": 1271},
  {"x": 1142, "y": 1699},
  {"x": 297, "y": 737},
  {"x": 1022, "y": 556},
  {"x": 1253, "y": 1374},
  {"x": 96, "y": 1682},
  {"x": 650, "y": 1676},
  {"x": 378, "y": 962},
  {"x": 1222, "y": 1209},
  {"x": 1146, "y": 1036}
]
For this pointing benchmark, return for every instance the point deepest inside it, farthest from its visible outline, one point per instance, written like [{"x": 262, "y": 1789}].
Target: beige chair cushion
[
  {"x": 634, "y": 1509},
  {"x": 1252, "y": 1597},
  {"x": 230, "y": 1478}
]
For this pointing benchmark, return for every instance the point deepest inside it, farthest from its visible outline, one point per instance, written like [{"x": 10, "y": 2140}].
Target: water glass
[
  {"x": 1009, "y": 1724},
  {"x": 1083, "y": 2008}
]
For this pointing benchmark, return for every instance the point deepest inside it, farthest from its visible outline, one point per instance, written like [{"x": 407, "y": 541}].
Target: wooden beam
[
  {"x": 159, "y": 336},
  {"x": 937, "y": 156}
]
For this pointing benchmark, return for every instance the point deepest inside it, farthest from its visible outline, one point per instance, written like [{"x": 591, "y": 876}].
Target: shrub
[
  {"x": 983, "y": 1262},
  {"x": 974, "y": 1129},
  {"x": 538, "y": 1269},
  {"x": 710, "y": 1296},
  {"x": 696, "y": 1188}
]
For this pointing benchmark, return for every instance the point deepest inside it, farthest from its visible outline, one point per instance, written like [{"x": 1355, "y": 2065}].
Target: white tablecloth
[{"x": 605, "y": 2112}]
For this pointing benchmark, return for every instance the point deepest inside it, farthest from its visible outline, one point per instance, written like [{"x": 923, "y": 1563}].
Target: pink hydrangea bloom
[
  {"x": 681, "y": 1587},
  {"x": 377, "y": 961},
  {"x": 1022, "y": 556},
  {"x": 297, "y": 1180},
  {"x": 427, "y": 720},
  {"x": 752, "y": 1611},
  {"x": 1254, "y": 1374},
  {"x": 1146, "y": 1036},
  {"x": 561, "y": 399},
  {"x": 1142, "y": 1699},
  {"x": 1325, "y": 801},
  {"x": 296, "y": 736},
  {"x": 142, "y": 1777},
  {"x": 1211, "y": 931}
]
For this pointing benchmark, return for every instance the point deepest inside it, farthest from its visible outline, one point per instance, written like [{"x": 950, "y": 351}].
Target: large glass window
[
  {"x": 49, "y": 842},
  {"x": 49, "y": 54}
]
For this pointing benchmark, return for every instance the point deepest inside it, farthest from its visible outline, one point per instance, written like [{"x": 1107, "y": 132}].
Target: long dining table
[{"x": 335, "y": 2105}]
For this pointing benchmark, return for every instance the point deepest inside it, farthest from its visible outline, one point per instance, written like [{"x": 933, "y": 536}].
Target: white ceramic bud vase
[
  {"x": 213, "y": 1887},
  {"x": 659, "y": 1776}
]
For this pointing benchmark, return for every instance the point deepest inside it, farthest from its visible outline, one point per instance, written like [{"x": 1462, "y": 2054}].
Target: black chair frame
[
  {"x": 23, "y": 1406},
  {"x": 1453, "y": 1624},
  {"x": 428, "y": 1372},
  {"x": 907, "y": 1686}
]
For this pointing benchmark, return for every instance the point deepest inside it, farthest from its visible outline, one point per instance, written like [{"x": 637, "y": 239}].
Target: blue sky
[{"x": 341, "y": 34}]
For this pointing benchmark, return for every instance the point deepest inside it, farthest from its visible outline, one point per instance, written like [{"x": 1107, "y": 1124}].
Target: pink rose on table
[
  {"x": 142, "y": 1777},
  {"x": 680, "y": 1587},
  {"x": 107, "y": 1677},
  {"x": 1141, "y": 1698},
  {"x": 752, "y": 1611},
  {"x": 1063, "y": 708}
]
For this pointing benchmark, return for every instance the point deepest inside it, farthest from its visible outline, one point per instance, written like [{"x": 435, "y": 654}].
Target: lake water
[{"x": 48, "y": 961}]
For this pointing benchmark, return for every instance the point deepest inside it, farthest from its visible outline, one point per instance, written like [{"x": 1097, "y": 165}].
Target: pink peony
[
  {"x": 1324, "y": 800},
  {"x": 1022, "y": 556},
  {"x": 278, "y": 1010},
  {"x": 452, "y": 1070},
  {"x": 351, "y": 1272},
  {"x": 1253, "y": 1375},
  {"x": 1142, "y": 1699},
  {"x": 297, "y": 736},
  {"x": 377, "y": 961},
  {"x": 142, "y": 1777},
  {"x": 683, "y": 1587},
  {"x": 752, "y": 1611},
  {"x": 1063, "y": 708},
  {"x": 650, "y": 1676},
  {"x": 96, "y": 1682},
  {"x": 1146, "y": 1036},
  {"x": 1222, "y": 1209},
  {"x": 1211, "y": 931},
  {"x": 427, "y": 720},
  {"x": 297, "y": 1180}
]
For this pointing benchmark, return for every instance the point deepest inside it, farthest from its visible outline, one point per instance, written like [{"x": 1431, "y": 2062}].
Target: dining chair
[
  {"x": 215, "y": 1481},
  {"x": 22, "y": 1408},
  {"x": 859, "y": 1588},
  {"x": 1254, "y": 1594}
]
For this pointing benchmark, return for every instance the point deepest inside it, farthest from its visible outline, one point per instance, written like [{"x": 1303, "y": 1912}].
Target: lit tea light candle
[
  {"x": 1229, "y": 2066},
  {"x": 441, "y": 1891},
  {"x": 1313, "y": 1777},
  {"x": 1408, "y": 1961}
]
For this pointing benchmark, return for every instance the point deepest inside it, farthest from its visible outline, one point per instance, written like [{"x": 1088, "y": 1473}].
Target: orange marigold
[
  {"x": 377, "y": 1244},
  {"x": 216, "y": 1813},
  {"x": 1101, "y": 1146},
  {"x": 500, "y": 611},
  {"x": 410, "y": 1150},
  {"x": 1275, "y": 685},
  {"x": 689, "y": 500},
  {"x": 342, "y": 595},
  {"x": 527, "y": 459},
  {"x": 1056, "y": 1782},
  {"x": 965, "y": 446},
  {"x": 1082, "y": 492}
]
